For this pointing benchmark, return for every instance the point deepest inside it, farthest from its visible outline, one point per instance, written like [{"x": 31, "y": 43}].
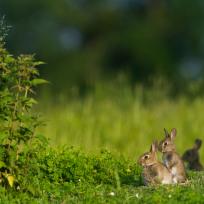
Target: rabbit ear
[
  {"x": 197, "y": 144},
  {"x": 153, "y": 147},
  {"x": 173, "y": 133},
  {"x": 166, "y": 133}
]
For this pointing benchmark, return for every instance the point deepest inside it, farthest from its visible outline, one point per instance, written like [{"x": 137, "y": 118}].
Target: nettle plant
[
  {"x": 4, "y": 28},
  {"x": 18, "y": 138}
]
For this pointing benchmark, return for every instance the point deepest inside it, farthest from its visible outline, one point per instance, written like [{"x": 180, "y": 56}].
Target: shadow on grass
[
  {"x": 132, "y": 180},
  {"x": 133, "y": 177}
]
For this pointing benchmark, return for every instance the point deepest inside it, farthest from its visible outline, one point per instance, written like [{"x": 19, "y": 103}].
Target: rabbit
[
  {"x": 171, "y": 158},
  {"x": 154, "y": 172},
  {"x": 191, "y": 156}
]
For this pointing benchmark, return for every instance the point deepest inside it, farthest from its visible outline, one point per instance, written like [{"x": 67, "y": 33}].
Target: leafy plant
[
  {"x": 3, "y": 30},
  {"x": 18, "y": 79}
]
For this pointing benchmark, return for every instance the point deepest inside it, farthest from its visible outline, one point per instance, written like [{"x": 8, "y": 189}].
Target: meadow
[
  {"x": 88, "y": 150},
  {"x": 122, "y": 119},
  {"x": 71, "y": 176},
  {"x": 96, "y": 139}
]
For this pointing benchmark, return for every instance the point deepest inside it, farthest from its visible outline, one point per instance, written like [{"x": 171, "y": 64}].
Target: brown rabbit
[
  {"x": 171, "y": 158},
  {"x": 154, "y": 172},
  {"x": 191, "y": 156}
]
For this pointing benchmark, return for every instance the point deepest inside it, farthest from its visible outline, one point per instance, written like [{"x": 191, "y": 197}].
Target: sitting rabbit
[
  {"x": 171, "y": 159},
  {"x": 154, "y": 172},
  {"x": 191, "y": 156}
]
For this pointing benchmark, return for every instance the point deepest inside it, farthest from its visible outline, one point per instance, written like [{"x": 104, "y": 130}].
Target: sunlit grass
[{"x": 121, "y": 119}]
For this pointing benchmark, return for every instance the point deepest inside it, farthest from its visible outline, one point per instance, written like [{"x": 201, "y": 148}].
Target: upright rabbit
[
  {"x": 191, "y": 156},
  {"x": 171, "y": 158},
  {"x": 154, "y": 172}
]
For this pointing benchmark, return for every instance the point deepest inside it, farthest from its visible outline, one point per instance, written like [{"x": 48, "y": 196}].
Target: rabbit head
[
  {"x": 149, "y": 158},
  {"x": 167, "y": 144}
]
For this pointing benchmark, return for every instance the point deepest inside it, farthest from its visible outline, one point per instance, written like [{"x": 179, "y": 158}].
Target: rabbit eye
[
  {"x": 146, "y": 157},
  {"x": 165, "y": 143}
]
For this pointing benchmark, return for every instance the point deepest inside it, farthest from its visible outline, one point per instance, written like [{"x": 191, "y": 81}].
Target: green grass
[
  {"x": 113, "y": 124},
  {"x": 122, "y": 120},
  {"x": 72, "y": 176}
]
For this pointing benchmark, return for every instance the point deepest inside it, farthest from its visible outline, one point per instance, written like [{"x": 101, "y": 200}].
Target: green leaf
[
  {"x": 38, "y": 63},
  {"x": 30, "y": 102},
  {"x": 33, "y": 101},
  {"x": 3, "y": 136},
  {"x": 2, "y": 164},
  {"x": 42, "y": 138},
  {"x": 39, "y": 81}
]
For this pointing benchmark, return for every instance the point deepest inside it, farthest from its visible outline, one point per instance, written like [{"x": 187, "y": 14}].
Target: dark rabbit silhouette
[{"x": 191, "y": 156}]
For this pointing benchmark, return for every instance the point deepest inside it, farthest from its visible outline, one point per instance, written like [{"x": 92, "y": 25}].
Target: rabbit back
[{"x": 157, "y": 174}]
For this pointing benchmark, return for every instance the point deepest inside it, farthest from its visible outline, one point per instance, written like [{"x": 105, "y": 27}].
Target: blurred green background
[
  {"x": 83, "y": 41},
  {"x": 120, "y": 70}
]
